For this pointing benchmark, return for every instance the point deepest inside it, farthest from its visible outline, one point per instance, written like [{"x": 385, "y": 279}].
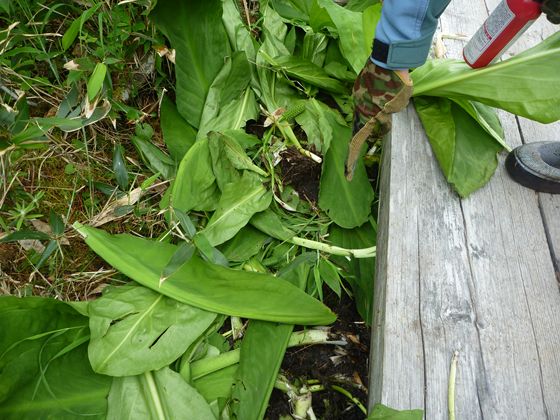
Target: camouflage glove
[
  {"x": 552, "y": 10},
  {"x": 378, "y": 93}
]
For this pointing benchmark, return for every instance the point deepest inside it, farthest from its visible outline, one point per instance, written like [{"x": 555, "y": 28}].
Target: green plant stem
[
  {"x": 334, "y": 250},
  {"x": 350, "y": 397},
  {"x": 289, "y": 135},
  {"x": 209, "y": 365},
  {"x": 153, "y": 391}
]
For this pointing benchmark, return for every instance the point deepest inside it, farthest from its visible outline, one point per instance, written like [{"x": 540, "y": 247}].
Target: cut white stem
[
  {"x": 451, "y": 386},
  {"x": 237, "y": 327},
  {"x": 313, "y": 336}
]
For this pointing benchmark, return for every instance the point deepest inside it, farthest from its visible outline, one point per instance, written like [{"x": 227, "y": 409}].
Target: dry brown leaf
[
  {"x": 43, "y": 227},
  {"x": 108, "y": 214},
  {"x": 34, "y": 244}
]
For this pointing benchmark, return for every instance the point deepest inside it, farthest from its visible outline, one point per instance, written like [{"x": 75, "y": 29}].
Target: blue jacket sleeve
[{"x": 404, "y": 33}]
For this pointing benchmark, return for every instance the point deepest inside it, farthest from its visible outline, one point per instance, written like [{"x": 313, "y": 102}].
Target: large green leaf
[
  {"x": 178, "y": 134},
  {"x": 526, "y": 85},
  {"x": 158, "y": 395},
  {"x": 43, "y": 346},
  {"x": 262, "y": 351},
  {"x": 134, "y": 330},
  {"x": 348, "y": 23},
  {"x": 195, "y": 30},
  {"x": 205, "y": 285},
  {"x": 194, "y": 187},
  {"x": 465, "y": 151},
  {"x": 240, "y": 200},
  {"x": 348, "y": 204}
]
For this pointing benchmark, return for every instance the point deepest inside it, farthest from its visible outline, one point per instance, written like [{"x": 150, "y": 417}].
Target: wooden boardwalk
[{"x": 478, "y": 275}]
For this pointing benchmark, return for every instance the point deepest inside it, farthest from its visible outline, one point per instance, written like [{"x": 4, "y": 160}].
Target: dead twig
[{"x": 247, "y": 15}]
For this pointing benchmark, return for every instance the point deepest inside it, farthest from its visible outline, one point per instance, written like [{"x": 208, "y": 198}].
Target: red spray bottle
[{"x": 507, "y": 22}]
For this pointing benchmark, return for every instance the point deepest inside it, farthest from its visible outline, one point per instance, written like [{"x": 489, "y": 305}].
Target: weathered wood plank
[
  {"x": 422, "y": 296},
  {"x": 472, "y": 275},
  {"x": 532, "y": 131},
  {"x": 517, "y": 297}
]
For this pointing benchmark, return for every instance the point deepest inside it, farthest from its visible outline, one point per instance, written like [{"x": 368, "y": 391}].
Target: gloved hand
[
  {"x": 377, "y": 94},
  {"x": 552, "y": 10}
]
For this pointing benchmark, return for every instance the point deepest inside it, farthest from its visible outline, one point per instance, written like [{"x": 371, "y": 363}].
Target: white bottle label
[{"x": 493, "y": 27}]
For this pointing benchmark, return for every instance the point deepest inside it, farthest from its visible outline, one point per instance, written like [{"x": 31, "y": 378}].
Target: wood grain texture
[
  {"x": 532, "y": 131},
  {"x": 475, "y": 275}
]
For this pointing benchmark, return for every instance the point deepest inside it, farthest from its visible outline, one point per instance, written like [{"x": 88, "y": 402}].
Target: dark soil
[
  {"x": 315, "y": 363},
  {"x": 9, "y": 254},
  {"x": 302, "y": 173},
  {"x": 256, "y": 128}
]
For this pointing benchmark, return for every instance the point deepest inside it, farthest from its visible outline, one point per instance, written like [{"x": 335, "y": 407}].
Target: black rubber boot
[{"x": 536, "y": 166}]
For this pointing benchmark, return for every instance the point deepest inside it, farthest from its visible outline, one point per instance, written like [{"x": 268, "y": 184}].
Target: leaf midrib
[
  {"x": 437, "y": 84},
  {"x": 128, "y": 334}
]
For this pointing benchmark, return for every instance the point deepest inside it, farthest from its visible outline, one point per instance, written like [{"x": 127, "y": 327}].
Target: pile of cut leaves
[
  {"x": 261, "y": 220},
  {"x": 261, "y": 223}
]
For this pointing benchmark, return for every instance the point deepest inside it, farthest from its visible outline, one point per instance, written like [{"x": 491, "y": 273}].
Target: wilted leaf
[
  {"x": 306, "y": 71},
  {"x": 229, "y": 104},
  {"x": 262, "y": 352}
]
